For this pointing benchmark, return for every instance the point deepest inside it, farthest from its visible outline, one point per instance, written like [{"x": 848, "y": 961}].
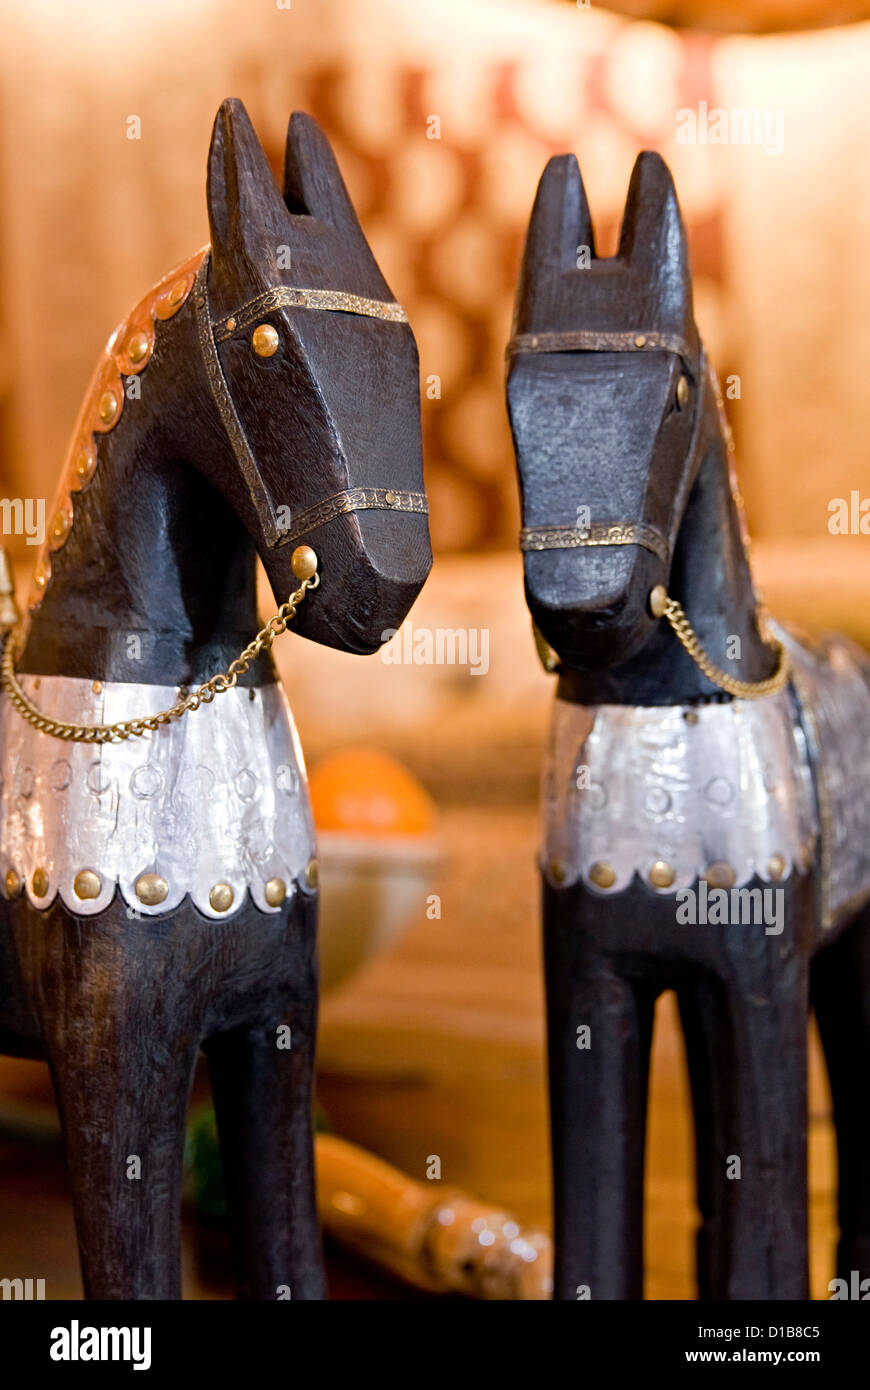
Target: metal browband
[
  {"x": 296, "y": 297},
  {"x": 351, "y": 500},
  {"x": 591, "y": 340},
  {"x": 596, "y": 534}
]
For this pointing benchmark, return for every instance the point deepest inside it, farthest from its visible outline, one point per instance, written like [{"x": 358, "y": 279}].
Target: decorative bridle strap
[
  {"x": 593, "y": 340},
  {"x": 596, "y": 534},
  {"x": 355, "y": 499},
  {"x": 209, "y": 333},
  {"x": 226, "y": 408},
  {"x": 294, "y": 297}
]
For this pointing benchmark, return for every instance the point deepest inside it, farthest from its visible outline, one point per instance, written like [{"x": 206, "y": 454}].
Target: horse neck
[
  {"x": 710, "y": 578},
  {"x": 155, "y": 582}
]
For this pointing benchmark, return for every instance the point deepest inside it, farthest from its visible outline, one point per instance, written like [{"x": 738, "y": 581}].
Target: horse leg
[
  {"x": 840, "y": 984},
  {"x": 598, "y": 1091},
  {"x": 745, "y": 1029},
  {"x": 262, "y": 1081},
  {"x": 121, "y": 1040},
  {"x": 263, "y": 1102}
]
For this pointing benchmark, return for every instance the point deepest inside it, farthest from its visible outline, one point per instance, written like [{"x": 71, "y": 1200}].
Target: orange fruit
[{"x": 364, "y": 791}]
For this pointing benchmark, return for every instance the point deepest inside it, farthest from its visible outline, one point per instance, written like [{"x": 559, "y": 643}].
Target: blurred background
[{"x": 432, "y": 1040}]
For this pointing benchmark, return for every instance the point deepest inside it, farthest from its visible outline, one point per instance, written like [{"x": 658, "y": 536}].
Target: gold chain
[
  {"x": 135, "y": 728},
  {"x": 741, "y": 690}
]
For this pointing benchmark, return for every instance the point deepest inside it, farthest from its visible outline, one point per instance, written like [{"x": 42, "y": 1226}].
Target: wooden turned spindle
[{"x": 436, "y": 1238}]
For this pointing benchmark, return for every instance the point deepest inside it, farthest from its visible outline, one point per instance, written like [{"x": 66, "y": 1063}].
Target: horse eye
[{"x": 265, "y": 340}]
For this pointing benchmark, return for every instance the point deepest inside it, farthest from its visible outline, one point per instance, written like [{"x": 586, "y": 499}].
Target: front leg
[
  {"x": 599, "y": 1030},
  {"x": 120, "y": 1026},
  {"x": 841, "y": 997},
  {"x": 262, "y": 1081},
  {"x": 744, "y": 1012}
]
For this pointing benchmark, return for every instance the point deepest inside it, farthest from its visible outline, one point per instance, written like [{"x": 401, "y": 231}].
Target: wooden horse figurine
[
  {"x": 706, "y": 794},
  {"x": 157, "y": 846}
]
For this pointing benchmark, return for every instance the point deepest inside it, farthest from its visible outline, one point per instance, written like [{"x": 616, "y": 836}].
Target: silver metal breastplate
[
  {"x": 747, "y": 786},
  {"x": 218, "y": 797}
]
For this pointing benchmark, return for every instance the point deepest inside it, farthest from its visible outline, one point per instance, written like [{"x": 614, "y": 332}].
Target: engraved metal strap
[
  {"x": 296, "y": 297},
  {"x": 591, "y": 340},
  {"x": 597, "y": 534},
  {"x": 227, "y": 410},
  {"x": 355, "y": 499}
]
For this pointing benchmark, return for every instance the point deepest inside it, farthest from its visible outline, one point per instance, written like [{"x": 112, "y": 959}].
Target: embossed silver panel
[
  {"x": 218, "y": 796},
  {"x": 630, "y": 785}
]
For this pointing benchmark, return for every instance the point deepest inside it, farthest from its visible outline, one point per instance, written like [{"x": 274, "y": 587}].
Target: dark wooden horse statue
[
  {"x": 159, "y": 879},
  {"x": 706, "y": 795}
]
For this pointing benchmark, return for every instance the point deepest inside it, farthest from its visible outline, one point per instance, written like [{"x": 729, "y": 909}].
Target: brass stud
[
  {"x": 303, "y": 562},
  {"x": 777, "y": 866},
  {"x": 177, "y": 293},
  {"x": 40, "y": 578},
  {"x": 661, "y": 875},
  {"x": 558, "y": 873},
  {"x": 60, "y": 525},
  {"x": 97, "y": 687},
  {"x": 640, "y": 340},
  {"x": 275, "y": 892},
  {"x": 265, "y": 340},
  {"x": 221, "y": 897},
  {"x": 87, "y": 884},
  {"x": 389, "y": 498},
  {"x": 138, "y": 346},
  {"x": 39, "y": 883},
  {"x": 108, "y": 407},
  {"x": 602, "y": 874},
  {"x": 312, "y": 873},
  {"x": 85, "y": 462},
  {"x": 683, "y": 391},
  {"x": 720, "y": 875},
  {"x": 151, "y": 889},
  {"x": 13, "y": 884},
  {"x": 658, "y": 601},
  {"x": 231, "y": 323}
]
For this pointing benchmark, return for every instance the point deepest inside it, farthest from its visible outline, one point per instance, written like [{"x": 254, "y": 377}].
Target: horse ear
[
  {"x": 653, "y": 238},
  {"x": 560, "y": 220},
  {"x": 244, "y": 204},
  {"x": 313, "y": 185},
  {"x": 559, "y": 225}
]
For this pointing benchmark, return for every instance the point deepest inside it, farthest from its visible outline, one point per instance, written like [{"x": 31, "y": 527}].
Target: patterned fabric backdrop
[{"x": 91, "y": 217}]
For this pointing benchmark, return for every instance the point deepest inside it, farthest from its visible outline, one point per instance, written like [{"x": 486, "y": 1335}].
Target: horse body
[
  {"x": 695, "y": 838},
  {"x": 160, "y": 892}
]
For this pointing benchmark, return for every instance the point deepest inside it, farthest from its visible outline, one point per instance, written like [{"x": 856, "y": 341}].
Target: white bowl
[{"x": 371, "y": 889}]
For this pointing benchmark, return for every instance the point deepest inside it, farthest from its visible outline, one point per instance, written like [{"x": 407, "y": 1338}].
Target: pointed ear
[
  {"x": 244, "y": 203},
  {"x": 653, "y": 238},
  {"x": 312, "y": 182},
  {"x": 560, "y": 220}
]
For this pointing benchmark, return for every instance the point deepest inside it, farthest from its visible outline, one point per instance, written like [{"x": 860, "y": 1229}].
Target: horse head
[
  {"x": 314, "y": 371},
  {"x": 604, "y": 385}
]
